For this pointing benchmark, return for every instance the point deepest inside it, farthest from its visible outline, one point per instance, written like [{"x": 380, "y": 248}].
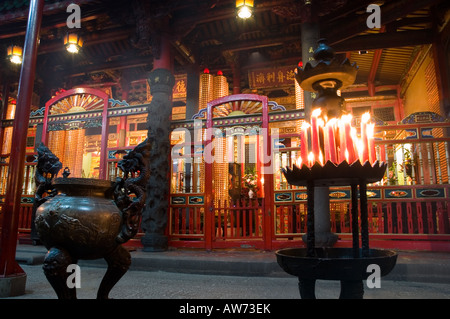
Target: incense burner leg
[
  {"x": 307, "y": 288},
  {"x": 55, "y": 269},
  {"x": 352, "y": 289},
  {"x": 310, "y": 238},
  {"x": 354, "y": 212},
  {"x": 364, "y": 218},
  {"x": 118, "y": 263}
]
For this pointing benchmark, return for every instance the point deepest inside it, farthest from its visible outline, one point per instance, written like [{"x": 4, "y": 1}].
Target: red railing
[
  {"x": 413, "y": 216},
  {"x": 238, "y": 220},
  {"x": 412, "y": 223}
]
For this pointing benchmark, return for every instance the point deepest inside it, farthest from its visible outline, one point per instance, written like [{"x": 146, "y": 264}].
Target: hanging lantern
[
  {"x": 14, "y": 53},
  {"x": 73, "y": 42},
  {"x": 244, "y": 8}
]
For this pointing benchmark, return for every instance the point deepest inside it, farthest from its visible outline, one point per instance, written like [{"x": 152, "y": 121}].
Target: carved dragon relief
[
  {"x": 136, "y": 174},
  {"x": 47, "y": 167}
]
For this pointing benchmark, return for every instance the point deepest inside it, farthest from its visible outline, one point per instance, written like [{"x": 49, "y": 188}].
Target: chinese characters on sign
[
  {"x": 179, "y": 89},
  {"x": 273, "y": 77}
]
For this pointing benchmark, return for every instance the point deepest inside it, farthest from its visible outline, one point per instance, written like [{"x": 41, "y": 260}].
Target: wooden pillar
[{"x": 8, "y": 265}]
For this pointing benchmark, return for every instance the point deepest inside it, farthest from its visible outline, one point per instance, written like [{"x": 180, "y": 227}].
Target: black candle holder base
[{"x": 334, "y": 264}]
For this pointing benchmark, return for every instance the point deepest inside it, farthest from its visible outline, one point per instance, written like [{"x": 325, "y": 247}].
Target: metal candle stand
[{"x": 349, "y": 265}]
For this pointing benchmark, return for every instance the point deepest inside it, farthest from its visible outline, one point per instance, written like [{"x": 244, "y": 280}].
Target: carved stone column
[{"x": 154, "y": 216}]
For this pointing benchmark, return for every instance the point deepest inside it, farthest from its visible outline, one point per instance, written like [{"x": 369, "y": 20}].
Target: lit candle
[
  {"x": 371, "y": 143},
  {"x": 347, "y": 119},
  {"x": 342, "y": 146},
  {"x": 360, "y": 147},
  {"x": 298, "y": 162},
  {"x": 330, "y": 142},
  {"x": 310, "y": 159},
  {"x": 357, "y": 147},
  {"x": 304, "y": 141},
  {"x": 382, "y": 153},
  {"x": 365, "y": 152},
  {"x": 315, "y": 132}
]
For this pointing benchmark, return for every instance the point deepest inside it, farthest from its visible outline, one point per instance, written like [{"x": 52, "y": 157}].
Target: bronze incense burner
[{"x": 84, "y": 218}]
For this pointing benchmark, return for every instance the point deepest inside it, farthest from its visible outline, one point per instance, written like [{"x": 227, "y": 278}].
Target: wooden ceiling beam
[
  {"x": 390, "y": 12},
  {"x": 90, "y": 39},
  {"x": 124, "y": 63},
  {"x": 385, "y": 40},
  {"x": 374, "y": 67},
  {"x": 350, "y": 8}
]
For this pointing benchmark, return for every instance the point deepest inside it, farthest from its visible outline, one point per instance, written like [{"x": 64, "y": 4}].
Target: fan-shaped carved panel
[{"x": 80, "y": 102}]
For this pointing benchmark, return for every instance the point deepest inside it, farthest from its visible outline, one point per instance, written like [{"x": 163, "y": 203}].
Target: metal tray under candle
[{"x": 331, "y": 174}]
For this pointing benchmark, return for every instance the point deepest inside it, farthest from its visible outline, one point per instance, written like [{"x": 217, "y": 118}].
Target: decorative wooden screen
[{"x": 81, "y": 107}]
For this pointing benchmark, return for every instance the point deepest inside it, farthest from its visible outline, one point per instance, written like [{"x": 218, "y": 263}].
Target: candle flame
[
  {"x": 311, "y": 158},
  {"x": 347, "y": 155},
  {"x": 365, "y": 117},
  {"x": 298, "y": 162},
  {"x": 321, "y": 158},
  {"x": 305, "y": 125},
  {"x": 316, "y": 112},
  {"x": 346, "y": 118}
]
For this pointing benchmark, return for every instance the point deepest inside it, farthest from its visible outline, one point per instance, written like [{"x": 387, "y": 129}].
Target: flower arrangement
[{"x": 250, "y": 183}]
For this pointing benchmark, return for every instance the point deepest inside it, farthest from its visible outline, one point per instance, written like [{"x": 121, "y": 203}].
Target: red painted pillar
[
  {"x": 236, "y": 83},
  {"x": 164, "y": 60},
  {"x": 11, "y": 208}
]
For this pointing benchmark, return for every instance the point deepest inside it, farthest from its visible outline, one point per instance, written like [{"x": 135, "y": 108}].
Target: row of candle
[{"x": 335, "y": 140}]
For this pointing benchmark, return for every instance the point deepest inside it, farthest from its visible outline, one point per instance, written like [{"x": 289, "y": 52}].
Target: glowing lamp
[
  {"x": 73, "y": 42},
  {"x": 14, "y": 54},
  {"x": 244, "y": 8}
]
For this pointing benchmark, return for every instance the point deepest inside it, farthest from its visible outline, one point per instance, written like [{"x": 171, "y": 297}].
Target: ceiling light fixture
[
  {"x": 244, "y": 8},
  {"x": 73, "y": 42},
  {"x": 14, "y": 53}
]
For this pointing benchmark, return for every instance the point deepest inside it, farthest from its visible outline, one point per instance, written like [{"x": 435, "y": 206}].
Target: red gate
[{"x": 233, "y": 206}]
